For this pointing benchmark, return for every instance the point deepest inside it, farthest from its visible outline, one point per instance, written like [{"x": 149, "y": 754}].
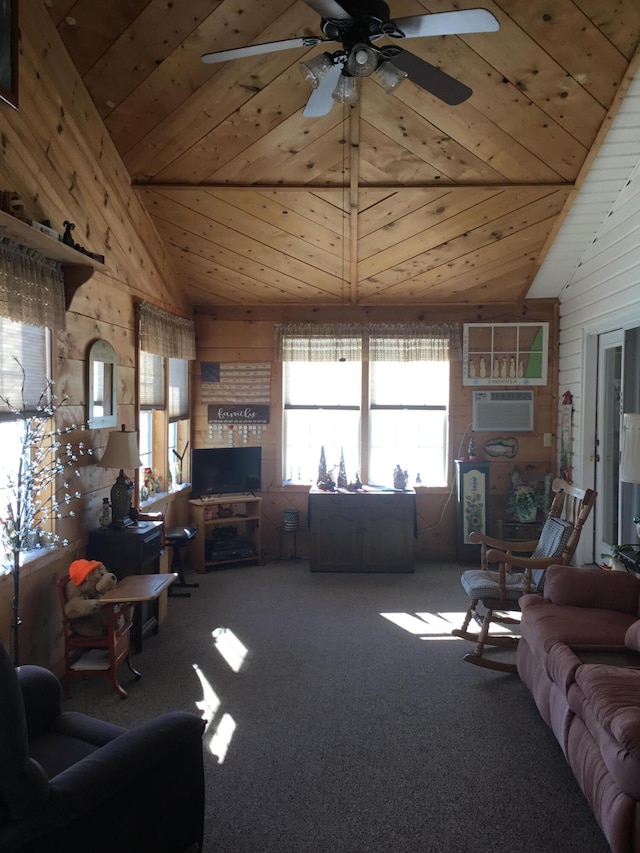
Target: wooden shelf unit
[
  {"x": 77, "y": 268},
  {"x": 246, "y": 517}
]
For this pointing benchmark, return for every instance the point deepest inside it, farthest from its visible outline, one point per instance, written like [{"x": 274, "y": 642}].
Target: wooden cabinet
[
  {"x": 230, "y": 531},
  {"x": 472, "y": 493},
  {"x": 132, "y": 550},
  {"x": 362, "y": 531}
]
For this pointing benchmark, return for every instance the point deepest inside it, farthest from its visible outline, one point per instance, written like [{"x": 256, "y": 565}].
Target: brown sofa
[{"x": 579, "y": 655}]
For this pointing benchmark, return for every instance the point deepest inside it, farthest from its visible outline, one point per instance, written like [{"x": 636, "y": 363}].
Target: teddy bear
[{"x": 88, "y": 580}]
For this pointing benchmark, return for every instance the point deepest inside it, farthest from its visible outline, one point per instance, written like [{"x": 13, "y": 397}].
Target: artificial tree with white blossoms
[{"x": 38, "y": 493}]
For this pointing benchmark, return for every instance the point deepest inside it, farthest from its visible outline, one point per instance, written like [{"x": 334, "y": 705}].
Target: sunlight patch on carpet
[
  {"x": 219, "y": 743},
  {"x": 222, "y": 732},
  {"x": 432, "y": 626},
  {"x": 230, "y": 647},
  {"x": 210, "y": 701}
]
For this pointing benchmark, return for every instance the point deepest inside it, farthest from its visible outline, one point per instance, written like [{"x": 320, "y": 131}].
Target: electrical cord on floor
[{"x": 450, "y": 495}]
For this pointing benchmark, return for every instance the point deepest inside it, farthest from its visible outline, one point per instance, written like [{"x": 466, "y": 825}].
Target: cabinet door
[
  {"x": 388, "y": 533},
  {"x": 335, "y": 534}
]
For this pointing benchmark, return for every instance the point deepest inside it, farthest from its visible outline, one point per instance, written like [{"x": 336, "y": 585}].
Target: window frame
[
  {"x": 365, "y": 408},
  {"x": 157, "y": 404}
]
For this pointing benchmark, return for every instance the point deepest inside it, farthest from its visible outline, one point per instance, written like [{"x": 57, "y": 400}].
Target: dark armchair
[{"x": 70, "y": 783}]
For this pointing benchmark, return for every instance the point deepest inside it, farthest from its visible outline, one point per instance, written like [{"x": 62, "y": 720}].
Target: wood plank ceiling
[{"x": 398, "y": 200}]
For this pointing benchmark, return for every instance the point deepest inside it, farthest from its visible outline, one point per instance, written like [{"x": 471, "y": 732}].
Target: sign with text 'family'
[{"x": 224, "y": 413}]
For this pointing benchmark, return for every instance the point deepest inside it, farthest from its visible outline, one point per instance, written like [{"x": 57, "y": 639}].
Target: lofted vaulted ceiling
[{"x": 398, "y": 200}]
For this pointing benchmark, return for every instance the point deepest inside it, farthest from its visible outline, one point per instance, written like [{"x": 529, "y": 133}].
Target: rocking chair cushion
[
  {"x": 482, "y": 584},
  {"x": 553, "y": 537}
]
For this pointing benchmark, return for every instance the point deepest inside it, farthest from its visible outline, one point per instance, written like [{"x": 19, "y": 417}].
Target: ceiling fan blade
[
  {"x": 256, "y": 49},
  {"x": 448, "y": 23},
  {"x": 433, "y": 79},
  {"x": 329, "y": 9},
  {"x": 320, "y": 101}
]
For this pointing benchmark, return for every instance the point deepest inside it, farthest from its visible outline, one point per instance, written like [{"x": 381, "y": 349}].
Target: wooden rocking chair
[{"x": 499, "y": 591}]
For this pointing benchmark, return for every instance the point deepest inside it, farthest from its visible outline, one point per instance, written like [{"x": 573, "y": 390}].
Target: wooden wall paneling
[
  {"x": 175, "y": 80},
  {"x": 140, "y": 48},
  {"x": 96, "y": 177},
  {"x": 620, "y": 30},
  {"x": 88, "y": 36},
  {"x": 538, "y": 74},
  {"x": 191, "y": 118},
  {"x": 601, "y": 65}
]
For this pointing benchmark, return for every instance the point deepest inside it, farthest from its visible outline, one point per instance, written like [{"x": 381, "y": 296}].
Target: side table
[{"x": 519, "y": 531}]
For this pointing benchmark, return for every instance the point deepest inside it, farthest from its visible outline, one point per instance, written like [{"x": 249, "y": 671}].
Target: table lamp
[
  {"x": 121, "y": 452},
  {"x": 630, "y": 456}
]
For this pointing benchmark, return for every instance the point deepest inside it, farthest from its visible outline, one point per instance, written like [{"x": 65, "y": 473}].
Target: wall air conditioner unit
[{"x": 502, "y": 411}]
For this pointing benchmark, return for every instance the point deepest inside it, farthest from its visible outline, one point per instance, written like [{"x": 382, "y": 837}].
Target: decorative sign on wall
[
  {"x": 239, "y": 384},
  {"x": 505, "y": 353},
  {"x": 238, "y": 397},
  {"x": 222, "y": 413}
]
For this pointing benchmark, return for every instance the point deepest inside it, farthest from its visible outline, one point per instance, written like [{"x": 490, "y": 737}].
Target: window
[
  {"x": 322, "y": 409},
  {"x": 164, "y": 417},
  {"x": 166, "y": 343},
  {"x": 24, "y": 369},
  {"x": 380, "y": 403},
  {"x": 408, "y": 421},
  {"x": 178, "y": 436},
  {"x": 151, "y": 400}
]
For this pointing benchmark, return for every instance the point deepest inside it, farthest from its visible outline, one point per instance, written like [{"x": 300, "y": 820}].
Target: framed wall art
[
  {"x": 505, "y": 353},
  {"x": 9, "y": 52}
]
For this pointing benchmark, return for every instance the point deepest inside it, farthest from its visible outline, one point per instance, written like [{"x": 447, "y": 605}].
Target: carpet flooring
[{"x": 342, "y": 719}]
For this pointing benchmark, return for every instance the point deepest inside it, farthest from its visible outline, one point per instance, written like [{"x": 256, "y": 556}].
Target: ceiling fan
[{"x": 357, "y": 25}]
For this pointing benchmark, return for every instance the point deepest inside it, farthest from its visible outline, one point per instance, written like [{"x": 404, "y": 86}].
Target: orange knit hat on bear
[{"x": 79, "y": 569}]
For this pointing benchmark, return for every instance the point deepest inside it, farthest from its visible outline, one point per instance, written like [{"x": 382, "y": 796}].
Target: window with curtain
[
  {"x": 151, "y": 398},
  {"x": 376, "y": 395},
  {"x": 166, "y": 344},
  {"x": 178, "y": 413},
  {"x": 24, "y": 370}
]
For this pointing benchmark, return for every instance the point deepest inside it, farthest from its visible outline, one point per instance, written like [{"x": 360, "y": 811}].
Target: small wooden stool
[{"x": 178, "y": 537}]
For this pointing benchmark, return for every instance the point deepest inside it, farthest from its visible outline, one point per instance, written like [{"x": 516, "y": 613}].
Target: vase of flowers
[{"x": 524, "y": 501}]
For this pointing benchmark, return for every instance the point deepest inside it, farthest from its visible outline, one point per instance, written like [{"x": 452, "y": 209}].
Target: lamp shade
[
  {"x": 315, "y": 69},
  {"x": 362, "y": 60},
  {"x": 630, "y": 457},
  {"x": 390, "y": 76},
  {"x": 345, "y": 91},
  {"x": 121, "y": 451}
]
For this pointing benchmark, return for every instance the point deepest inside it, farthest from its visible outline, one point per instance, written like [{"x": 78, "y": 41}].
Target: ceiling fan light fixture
[
  {"x": 362, "y": 60},
  {"x": 315, "y": 69},
  {"x": 390, "y": 76},
  {"x": 346, "y": 91}
]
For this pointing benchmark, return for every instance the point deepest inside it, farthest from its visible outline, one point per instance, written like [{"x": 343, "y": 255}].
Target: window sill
[
  {"x": 161, "y": 498},
  {"x": 36, "y": 558}
]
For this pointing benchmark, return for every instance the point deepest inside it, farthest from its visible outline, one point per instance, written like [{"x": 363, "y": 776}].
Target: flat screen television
[{"x": 225, "y": 470}]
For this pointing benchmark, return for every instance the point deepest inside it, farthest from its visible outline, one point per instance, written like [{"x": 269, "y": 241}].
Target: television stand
[{"x": 230, "y": 528}]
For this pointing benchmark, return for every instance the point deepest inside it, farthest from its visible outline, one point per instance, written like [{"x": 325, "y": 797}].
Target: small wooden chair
[
  {"x": 116, "y": 643},
  {"x": 499, "y": 591}
]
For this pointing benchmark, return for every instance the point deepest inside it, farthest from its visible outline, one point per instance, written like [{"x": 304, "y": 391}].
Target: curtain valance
[
  {"x": 165, "y": 334},
  {"x": 372, "y": 341},
  {"x": 31, "y": 287}
]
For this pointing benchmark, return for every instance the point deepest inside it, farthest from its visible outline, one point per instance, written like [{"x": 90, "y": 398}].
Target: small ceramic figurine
[
  {"x": 105, "y": 515},
  {"x": 400, "y": 478}
]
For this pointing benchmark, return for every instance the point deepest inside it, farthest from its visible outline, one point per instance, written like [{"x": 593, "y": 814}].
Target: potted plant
[
  {"x": 524, "y": 501},
  {"x": 615, "y": 562}
]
